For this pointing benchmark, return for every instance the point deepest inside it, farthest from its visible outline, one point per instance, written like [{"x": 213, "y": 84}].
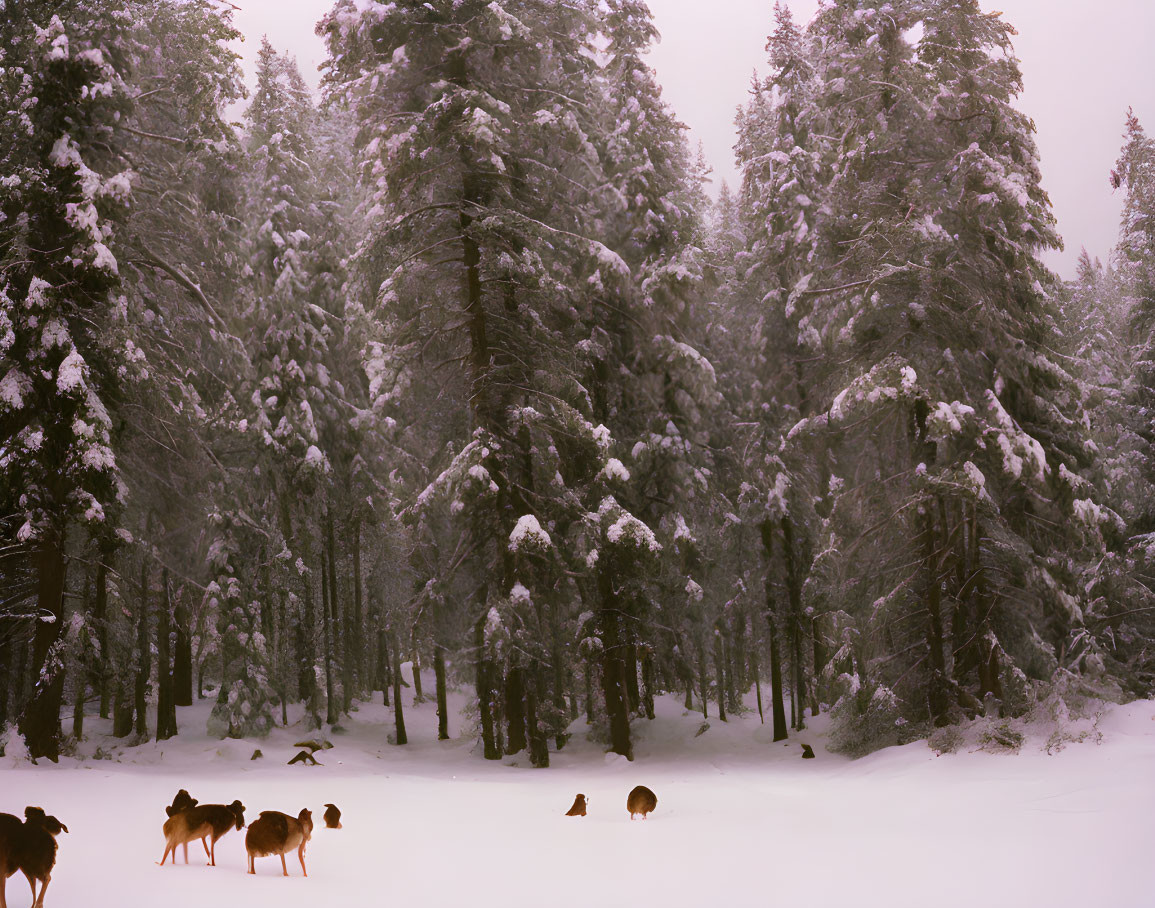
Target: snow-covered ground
[{"x": 740, "y": 820}]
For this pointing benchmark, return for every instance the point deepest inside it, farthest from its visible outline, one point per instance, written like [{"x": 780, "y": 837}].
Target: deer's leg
[
  {"x": 301, "y": 855},
  {"x": 284, "y": 869},
  {"x": 39, "y": 903}
]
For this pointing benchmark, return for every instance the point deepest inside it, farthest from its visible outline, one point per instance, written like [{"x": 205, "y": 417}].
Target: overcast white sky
[{"x": 1083, "y": 62}]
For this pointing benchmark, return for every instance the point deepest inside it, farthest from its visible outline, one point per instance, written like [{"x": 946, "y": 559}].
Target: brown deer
[
  {"x": 274, "y": 832},
  {"x": 332, "y": 816},
  {"x": 641, "y": 800},
  {"x": 579, "y": 807},
  {"x": 29, "y": 847},
  {"x": 201, "y": 822}
]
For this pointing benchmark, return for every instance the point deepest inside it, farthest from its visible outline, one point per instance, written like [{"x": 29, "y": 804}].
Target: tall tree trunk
[
  {"x": 819, "y": 665},
  {"x": 165, "y": 694},
  {"x": 355, "y": 650},
  {"x": 936, "y": 695},
  {"x": 100, "y": 620},
  {"x": 84, "y": 669},
  {"x": 182, "y": 665},
  {"x": 538, "y": 746},
  {"x": 648, "y": 682},
  {"x": 304, "y": 623},
  {"x": 121, "y": 709},
  {"x": 794, "y": 592},
  {"x": 418, "y": 694},
  {"x": 398, "y": 712},
  {"x": 143, "y": 654},
  {"x": 630, "y": 669},
  {"x": 490, "y": 747},
  {"x": 341, "y": 630},
  {"x": 613, "y": 686},
  {"x": 40, "y": 723},
  {"x": 557, "y": 650},
  {"x": 704, "y": 677},
  {"x": 384, "y": 663},
  {"x": 720, "y": 673},
  {"x": 777, "y": 709},
  {"x": 590, "y": 669},
  {"x": 754, "y": 669},
  {"x": 736, "y": 676},
  {"x": 439, "y": 677},
  {"x": 331, "y": 714},
  {"x": 515, "y": 739},
  {"x": 6, "y": 660}
]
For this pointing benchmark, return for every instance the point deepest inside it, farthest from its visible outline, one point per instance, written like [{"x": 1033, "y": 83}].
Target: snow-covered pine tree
[
  {"x": 1134, "y": 259},
  {"x": 61, "y": 197},
  {"x": 925, "y": 301},
  {"x": 179, "y": 254},
  {"x": 289, "y": 342},
  {"x": 475, "y": 126}
]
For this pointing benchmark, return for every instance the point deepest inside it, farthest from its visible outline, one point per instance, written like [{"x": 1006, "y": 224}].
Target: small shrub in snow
[
  {"x": 12, "y": 744},
  {"x": 946, "y": 740},
  {"x": 1001, "y": 736},
  {"x": 866, "y": 720}
]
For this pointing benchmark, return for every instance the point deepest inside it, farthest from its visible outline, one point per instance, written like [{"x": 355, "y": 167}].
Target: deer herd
[{"x": 30, "y": 846}]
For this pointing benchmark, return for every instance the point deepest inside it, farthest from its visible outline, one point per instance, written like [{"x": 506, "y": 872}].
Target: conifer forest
[{"x": 457, "y": 364}]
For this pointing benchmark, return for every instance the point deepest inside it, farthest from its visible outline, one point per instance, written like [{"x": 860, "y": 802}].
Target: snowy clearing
[{"x": 740, "y": 820}]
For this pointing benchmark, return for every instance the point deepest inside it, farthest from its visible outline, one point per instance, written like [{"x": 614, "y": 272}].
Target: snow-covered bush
[{"x": 866, "y": 718}]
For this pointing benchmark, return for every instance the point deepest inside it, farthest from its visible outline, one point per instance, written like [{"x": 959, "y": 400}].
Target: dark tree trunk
[
  {"x": 613, "y": 669},
  {"x": 648, "y": 682},
  {"x": 165, "y": 694},
  {"x": 23, "y": 650},
  {"x": 5, "y": 669},
  {"x": 755, "y": 671},
  {"x": 559, "y": 672},
  {"x": 84, "y": 668},
  {"x": 794, "y": 592},
  {"x": 442, "y": 707},
  {"x": 182, "y": 666},
  {"x": 704, "y": 678},
  {"x": 40, "y": 723},
  {"x": 331, "y": 714},
  {"x": 777, "y": 709},
  {"x": 819, "y": 666},
  {"x": 121, "y": 710},
  {"x": 936, "y": 695},
  {"x": 719, "y": 672},
  {"x": 398, "y": 712},
  {"x": 339, "y": 611},
  {"x": 538, "y": 746},
  {"x": 736, "y": 673},
  {"x": 143, "y": 655},
  {"x": 489, "y": 743},
  {"x": 355, "y": 650},
  {"x": 589, "y": 673},
  {"x": 418, "y": 695},
  {"x": 515, "y": 739},
  {"x": 304, "y": 625},
  {"x": 630, "y": 667},
  {"x": 384, "y": 663},
  {"x": 100, "y": 620}
]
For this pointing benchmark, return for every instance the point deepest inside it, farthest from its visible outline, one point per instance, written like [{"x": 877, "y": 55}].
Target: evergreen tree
[{"x": 58, "y": 277}]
